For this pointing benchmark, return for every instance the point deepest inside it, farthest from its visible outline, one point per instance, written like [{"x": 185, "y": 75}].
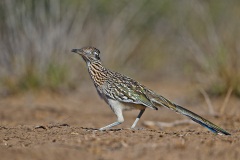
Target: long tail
[{"x": 159, "y": 100}]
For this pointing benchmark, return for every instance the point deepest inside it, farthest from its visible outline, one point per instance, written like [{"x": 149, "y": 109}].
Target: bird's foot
[{"x": 110, "y": 129}]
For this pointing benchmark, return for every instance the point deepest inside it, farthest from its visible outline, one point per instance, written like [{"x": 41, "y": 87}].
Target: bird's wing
[
  {"x": 159, "y": 100},
  {"x": 127, "y": 90}
]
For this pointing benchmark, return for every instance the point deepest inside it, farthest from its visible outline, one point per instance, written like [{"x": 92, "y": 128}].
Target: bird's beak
[{"x": 79, "y": 51}]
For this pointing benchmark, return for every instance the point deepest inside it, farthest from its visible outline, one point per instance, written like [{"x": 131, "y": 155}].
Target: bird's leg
[
  {"x": 120, "y": 119},
  {"x": 138, "y": 117}
]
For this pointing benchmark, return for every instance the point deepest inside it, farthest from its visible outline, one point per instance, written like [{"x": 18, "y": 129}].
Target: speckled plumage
[{"x": 124, "y": 93}]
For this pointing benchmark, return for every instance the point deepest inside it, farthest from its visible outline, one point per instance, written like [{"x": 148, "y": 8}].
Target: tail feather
[
  {"x": 159, "y": 100},
  {"x": 202, "y": 121}
]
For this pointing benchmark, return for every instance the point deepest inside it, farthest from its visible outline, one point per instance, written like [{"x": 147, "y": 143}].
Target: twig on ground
[
  {"x": 225, "y": 102},
  {"x": 208, "y": 101}
]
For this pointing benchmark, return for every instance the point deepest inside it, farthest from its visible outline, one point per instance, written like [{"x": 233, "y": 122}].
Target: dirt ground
[{"x": 63, "y": 126}]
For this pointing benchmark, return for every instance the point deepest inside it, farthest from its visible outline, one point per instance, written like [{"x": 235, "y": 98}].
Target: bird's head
[{"x": 89, "y": 54}]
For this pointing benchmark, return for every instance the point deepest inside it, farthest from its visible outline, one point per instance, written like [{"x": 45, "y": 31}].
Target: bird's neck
[{"x": 97, "y": 72}]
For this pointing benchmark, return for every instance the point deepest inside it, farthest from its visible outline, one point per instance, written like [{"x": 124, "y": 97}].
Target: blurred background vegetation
[{"x": 197, "y": 40}]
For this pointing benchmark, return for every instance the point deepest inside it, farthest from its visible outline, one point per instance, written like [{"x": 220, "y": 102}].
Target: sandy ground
[{"x": 63, "y": 126}]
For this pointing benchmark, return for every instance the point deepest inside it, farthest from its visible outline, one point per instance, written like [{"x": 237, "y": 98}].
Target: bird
[{"x": 122, "y": 93}]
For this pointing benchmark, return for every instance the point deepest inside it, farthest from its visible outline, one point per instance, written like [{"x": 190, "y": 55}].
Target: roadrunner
[{"x": 123, "y": 93}]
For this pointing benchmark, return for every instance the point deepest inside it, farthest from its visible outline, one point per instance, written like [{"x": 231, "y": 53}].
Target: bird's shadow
[
  {"x": 96, "y": 129},
  {"x": 112, "y": 129}
]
